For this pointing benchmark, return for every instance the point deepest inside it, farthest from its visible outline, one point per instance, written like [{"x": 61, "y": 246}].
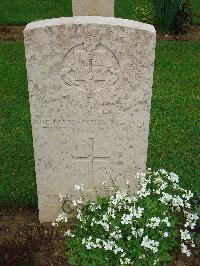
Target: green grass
[
  {"x": 18, "y": 12},
  {"x": 17, "y": 178},
  {"x": 196, "y": 11},
  {"x": 174, "y": 131}
]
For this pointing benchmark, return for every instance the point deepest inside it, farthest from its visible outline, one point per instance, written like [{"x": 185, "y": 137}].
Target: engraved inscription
[
  {"x": 75, "y": 125},
  {"x": 90, "y": 67},
  {"x": 90, "y": 159}
]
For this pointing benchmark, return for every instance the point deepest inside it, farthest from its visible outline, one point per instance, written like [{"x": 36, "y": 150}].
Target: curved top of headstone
[{"x": 90, "y": 20}]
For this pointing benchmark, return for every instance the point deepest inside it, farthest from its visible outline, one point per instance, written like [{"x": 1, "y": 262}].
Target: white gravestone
[
  {"x": 90, "y": 85},
  {"x": 103, "y": 8}
]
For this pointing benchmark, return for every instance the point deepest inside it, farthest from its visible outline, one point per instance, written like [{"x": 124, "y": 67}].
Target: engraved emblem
[{"x": 90, "y": 67}]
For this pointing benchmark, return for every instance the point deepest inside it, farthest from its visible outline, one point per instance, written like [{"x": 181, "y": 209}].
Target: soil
[
  {"x": 24, "y": 241},
  {"x": 15, "y": 33},
  {"x": 12, "y": 33},
  {"x": 191, "y": 34}
]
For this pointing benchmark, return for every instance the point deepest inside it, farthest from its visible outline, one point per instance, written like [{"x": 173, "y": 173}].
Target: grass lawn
[
  {"x": 174, "y": 131},
  {"x": 196, "y": 11},
  {"x": 17, "y": 12},
  {"x": 17, "y": 178}
]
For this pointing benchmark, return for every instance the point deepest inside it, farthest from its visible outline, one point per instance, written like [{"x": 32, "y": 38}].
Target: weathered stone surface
[
  {"x": 90, "y": 84},
  {"x": 103, "y": 8}
]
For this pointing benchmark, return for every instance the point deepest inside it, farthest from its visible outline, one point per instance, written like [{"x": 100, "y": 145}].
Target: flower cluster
[
  {"x": 125, "y": 227},
  {"x": 150, "y": 244}
]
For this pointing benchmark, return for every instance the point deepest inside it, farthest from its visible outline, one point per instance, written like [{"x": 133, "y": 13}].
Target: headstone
[
  {"x": 103, "y": 8},
  {"x": 90, "y": 84}
]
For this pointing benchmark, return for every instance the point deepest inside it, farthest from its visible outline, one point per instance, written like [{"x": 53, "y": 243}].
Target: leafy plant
[
  {"x": 196, "y": 207},
  {"x": 184, "y": 17},
  {"x": 130, "y": 229},
  {"x": 144, "y": 11},
  {"x": 172, "y": 15}
]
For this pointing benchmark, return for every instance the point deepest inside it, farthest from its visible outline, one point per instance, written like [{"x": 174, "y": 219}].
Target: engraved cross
[
  {"x": 90, "y": 159},
  {"x": 90, "y": 64}
]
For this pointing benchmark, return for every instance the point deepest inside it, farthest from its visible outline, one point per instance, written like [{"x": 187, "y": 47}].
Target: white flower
[
  {"x": 79, "y": 187},
  {"x": 134, "y": 199},
  {"x": 143, "y": 193},
  {"x": 188, "y": 195},
  {"x": 111, "y": 212},
  {"x": 185, "y": 235},
  {"x": 166, "y": 234},
  {"x": 185, "y": 250},
  {"x": 98, "y": 243},
  {"x": 134, "y": 232},
  {"x": 125, "y": 261},
  {"x": 108, "y": 245},
  {"x": 127, "y": 218},
  {"x": 162, "y": 171},
  {"x": 166, "y": 198},
  {"x": 154, "y": 222},
  {"x": 161, "y": 184},
  {"x": 117, "y": 250},
  {"x": 138, "y": 212},
  {"x": 104, "y": 224},
  {"x": 173, "y": 177},
  {"x": 177, "y": 202},
  {"x": 137, "y": 232},
  {"x": 150, "y": 244},
  {"x": 155, "y": 261},
  {"x": 61, "y": 197},
  {"x": 79, "y": 201},
  {"x": 166, "y": 221},
  {"x": 88, "y": 245},
  {"x": 94, "y": 207},
  {"x": 74, "y": 203},
  {"x": 175, "y": 186},
  {"x": 79, "y": 215},
  {"x": 190, "y": 219},
  {"x": 140, "y": 232},
  {"x": 187, "y": 205},
  {"x": 62, "y": 218},
  {"x": 116, "y": 235},
  {"x": 69, "y": 233},
  {"x": 54, "y": 224},
  {"x": 105, "y": 217}
]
